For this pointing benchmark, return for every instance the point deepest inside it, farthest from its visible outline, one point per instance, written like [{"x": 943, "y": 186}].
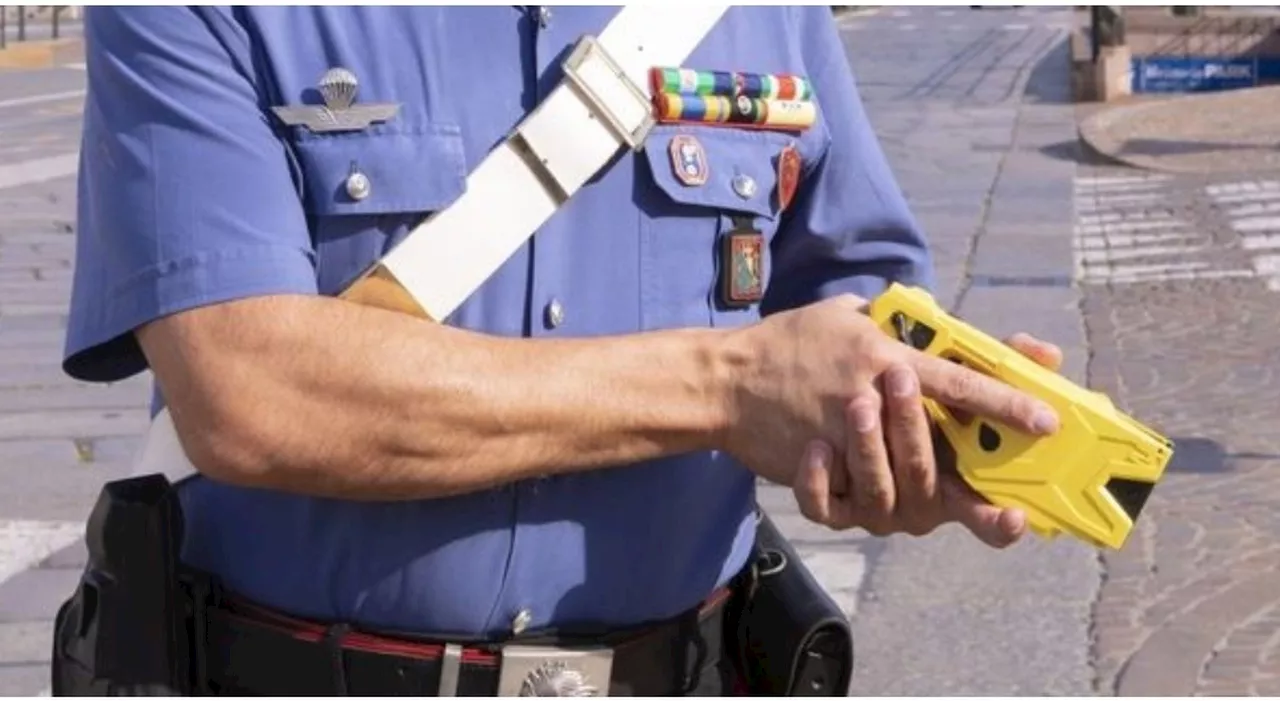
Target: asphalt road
[{"x": 972, "y": 108}]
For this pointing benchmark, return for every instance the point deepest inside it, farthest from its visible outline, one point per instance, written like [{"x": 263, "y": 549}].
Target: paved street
[
  {"x": 59, "y": 440},
  {"x": 1161, "y": 289}
]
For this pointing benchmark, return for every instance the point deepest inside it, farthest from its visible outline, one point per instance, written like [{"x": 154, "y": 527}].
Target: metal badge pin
[
  {"x": 338, "y": 87},
  {"x": 744, "y": 186}
]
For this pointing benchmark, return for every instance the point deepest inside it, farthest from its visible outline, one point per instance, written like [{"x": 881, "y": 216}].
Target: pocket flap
[
  {"x": 741, "y": 167},
  {"x": 410, "y": 170}
]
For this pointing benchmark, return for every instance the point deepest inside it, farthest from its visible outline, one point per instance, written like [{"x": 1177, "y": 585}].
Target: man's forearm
[{"x": 323, "y": 397}]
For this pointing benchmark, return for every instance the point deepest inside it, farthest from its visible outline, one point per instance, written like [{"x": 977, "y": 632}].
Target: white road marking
[
  {"x": 1116, "y": 242},
  {"x": 1136, "y": 186},
  {"x": 39, "y": 99},
  {"x": 1136, "y": 198},
  {"x": 1108, "y": 255},
  {"x": 1254, "y": 209},
  {"x": 1255, "y": 224},
  {"x": 38, "y": 170},
  {"x": 1265, "y": 242},
  {"x": 24, "y": 544},
  {"x": 1175, "y": 276},
  {"x": 1120, "y": 241},
  {"x": 1246, "y": 205},
  {"x": 1106, "y": 180},
  {"x": 900, "y": 13},
  {"x": 75, "y": 66}
]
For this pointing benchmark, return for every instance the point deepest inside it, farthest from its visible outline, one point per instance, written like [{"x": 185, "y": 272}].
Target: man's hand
[
  {"x": 918, "y": 499},
  {"x": 799, "y": 375}
]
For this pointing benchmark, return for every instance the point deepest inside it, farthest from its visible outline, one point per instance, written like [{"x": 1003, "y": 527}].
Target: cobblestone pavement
[{"x": 1181, "y": 312}]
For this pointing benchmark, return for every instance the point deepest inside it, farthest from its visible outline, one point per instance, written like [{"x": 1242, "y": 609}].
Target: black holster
[
  {"x": 124, "y": 631},
  {"x": 793, "y": 639}
]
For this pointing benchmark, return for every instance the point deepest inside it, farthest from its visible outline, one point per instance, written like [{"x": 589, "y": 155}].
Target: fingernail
[
  {"x": 1044, "y": 420},
  {"x": 901, "y": 381},
  {"x": 865, "y": 416},
  {"x": 819, "y": 455}
]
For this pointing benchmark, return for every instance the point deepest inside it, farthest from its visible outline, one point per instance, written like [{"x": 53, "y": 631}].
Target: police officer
[{"x": 573, "y": 454}]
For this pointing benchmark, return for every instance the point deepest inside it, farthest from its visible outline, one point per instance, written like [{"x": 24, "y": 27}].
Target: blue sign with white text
[{"x": 1190, "y": 74}]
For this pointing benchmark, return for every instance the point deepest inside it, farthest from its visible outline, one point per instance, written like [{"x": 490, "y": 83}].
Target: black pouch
[
  {"x": 793, "y": 639},
  {"x": 123, "y": 632}
]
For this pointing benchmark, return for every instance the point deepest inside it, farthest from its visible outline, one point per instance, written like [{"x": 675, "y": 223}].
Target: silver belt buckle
[{"x": 529, "y": 670}]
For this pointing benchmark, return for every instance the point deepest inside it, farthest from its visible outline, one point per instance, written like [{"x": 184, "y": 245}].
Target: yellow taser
[{"x": 1090, "y": 480}]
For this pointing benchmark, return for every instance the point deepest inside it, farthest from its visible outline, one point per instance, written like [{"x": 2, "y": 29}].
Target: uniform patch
[
  {"x": 788, "y": 176},
  {"x": 688, "y": 160},
  {"x": 741, "y": 268}
]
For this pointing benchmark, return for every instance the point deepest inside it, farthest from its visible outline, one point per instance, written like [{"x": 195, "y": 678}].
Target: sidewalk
[{"x": 1221, "y": 132}]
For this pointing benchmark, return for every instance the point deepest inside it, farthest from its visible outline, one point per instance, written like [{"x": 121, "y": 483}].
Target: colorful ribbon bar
[
  {"x": 791, "y": 115},
  {"x": 688, "y": 82}
]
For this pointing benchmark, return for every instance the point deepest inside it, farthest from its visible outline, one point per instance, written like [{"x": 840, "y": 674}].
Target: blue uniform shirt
[{"x": 193, "y": 193}]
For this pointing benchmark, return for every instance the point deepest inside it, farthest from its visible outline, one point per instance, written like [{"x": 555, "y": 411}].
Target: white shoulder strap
[{"x": 602, "y": 107}]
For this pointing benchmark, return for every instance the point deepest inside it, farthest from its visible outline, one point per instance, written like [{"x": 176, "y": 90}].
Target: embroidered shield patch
[
  {"x": 688, "y": 160},
  {"x": 788, "y": 176},
  {"x": 741, "y": 268}
]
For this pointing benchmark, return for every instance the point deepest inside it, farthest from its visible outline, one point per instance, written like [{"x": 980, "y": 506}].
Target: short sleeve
[
  {"x": 849, "y": 229},
  {"x": 186, "y": 196}
]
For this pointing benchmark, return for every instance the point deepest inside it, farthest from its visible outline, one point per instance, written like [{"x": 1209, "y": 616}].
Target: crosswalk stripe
[
  {"x": 1253, "y": 209},
  {"x": 1253, "y": 224},
  {"x": 1254, "y": 186},
  {"x": 38, "y": 170},
  {"x": 1116, "y": 228},
  {"x": 1128, "y": 240},
  {"x": 1260, "y": 242},
  {"x": 1176, "y": 276},
  {"x": 1106, "y": 255},
  {"x": 38, "y": 99},
  {"x": 24, "y": 544},
  {"x": 1105, "y": 180},
  {"x": 1117, "y": 217}
]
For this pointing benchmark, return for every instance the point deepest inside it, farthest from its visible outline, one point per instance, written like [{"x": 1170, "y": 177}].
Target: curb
[
  {"x": 47, "y": 53},
  {"x": 1096, "y": 139}
]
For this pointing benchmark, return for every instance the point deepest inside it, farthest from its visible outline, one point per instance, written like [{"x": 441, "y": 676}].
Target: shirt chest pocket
[
  {"x": 365, "y": 191},
  {"x": 710, "y": 184}
]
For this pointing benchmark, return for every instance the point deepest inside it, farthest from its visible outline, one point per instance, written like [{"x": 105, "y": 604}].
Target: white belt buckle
[
  {"x": 548, "y": 671},
  {"x": 603, "y": 84}
]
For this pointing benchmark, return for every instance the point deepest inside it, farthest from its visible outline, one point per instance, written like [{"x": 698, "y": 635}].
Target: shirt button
[
  {"x": 358, "y": 186},
  {"x": 544, "y": 16},
  {"x": 555, "y": 313},
  {"x": 745, "y": 186},
  {"x": 521, "y": 621}
]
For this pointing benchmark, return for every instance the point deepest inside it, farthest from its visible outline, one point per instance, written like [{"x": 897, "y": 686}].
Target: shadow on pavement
[
  {"x": 1207, "y": 456},
  {"x": 1050, "y": 80}
]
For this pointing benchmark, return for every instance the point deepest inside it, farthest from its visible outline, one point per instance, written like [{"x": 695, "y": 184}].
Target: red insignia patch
[
  {"x": 788, "y": 176},
  {"x": 688, "y": 160}
]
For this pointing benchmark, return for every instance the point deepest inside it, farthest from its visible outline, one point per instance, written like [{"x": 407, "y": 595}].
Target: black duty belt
[{"x": 252, "y": 651}]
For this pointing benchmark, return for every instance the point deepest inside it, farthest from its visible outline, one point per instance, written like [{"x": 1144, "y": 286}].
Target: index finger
[{"x": 961, "y": 388}]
